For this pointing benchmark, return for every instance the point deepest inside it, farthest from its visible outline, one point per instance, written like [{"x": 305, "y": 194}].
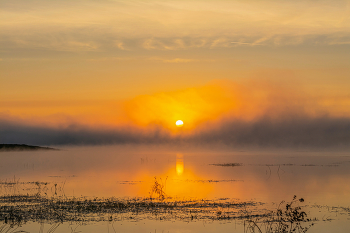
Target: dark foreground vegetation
[
  {"x": 38, "y": 206},
  {"x": 18, "y": 209},
  {"x": 23, "y": 208},
  {"x": 288, "y": 217}
]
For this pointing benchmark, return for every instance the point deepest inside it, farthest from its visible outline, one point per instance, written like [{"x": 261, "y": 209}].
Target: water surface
[{"x": 127, "y": 172}]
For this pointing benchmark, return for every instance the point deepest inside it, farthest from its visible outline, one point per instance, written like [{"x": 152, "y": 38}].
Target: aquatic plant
[
  {"x": 16, "y": 209},
  {"x": 227, "y": 164},
  {"x": 158, "y": 188},
  {"x": 9, "y": 228},
  {"x": 291, "y": 218},
  {"x": 52, "y": 228}
]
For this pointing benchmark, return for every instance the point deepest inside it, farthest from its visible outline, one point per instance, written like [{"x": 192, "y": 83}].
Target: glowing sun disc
[{"x": 179, "y": 123}]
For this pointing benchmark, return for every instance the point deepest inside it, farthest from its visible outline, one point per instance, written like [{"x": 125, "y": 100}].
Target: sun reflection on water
[{"x": 179, "y": 164}]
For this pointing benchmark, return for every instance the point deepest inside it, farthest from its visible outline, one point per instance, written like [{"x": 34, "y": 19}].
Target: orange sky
[
  {"x": 116, "y": 63},
  {"x": 195, "y": 106}
]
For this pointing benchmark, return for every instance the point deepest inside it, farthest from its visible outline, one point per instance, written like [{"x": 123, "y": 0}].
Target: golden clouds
[
  {"x": 201, "y": 104},
  {"x": 218, "y": 100},
  {"x": 171, "y": 25},
  {"x": 254, "y": 112},
  {"x": 222, "y": 100},
  {"x": 192, "y": 105}
]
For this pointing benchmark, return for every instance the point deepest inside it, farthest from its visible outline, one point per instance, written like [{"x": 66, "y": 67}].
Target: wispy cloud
[
  {"x": 120, "y": 44},
  {"x": 164, "y": 44},
  {"x": 103, "y": 59},
  {"x": 171, "y": 25},
  {"x": 178, "y": 60}
]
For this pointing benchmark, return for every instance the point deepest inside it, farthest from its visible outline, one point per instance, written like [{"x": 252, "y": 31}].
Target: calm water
[{"x": 321, "y": 178}]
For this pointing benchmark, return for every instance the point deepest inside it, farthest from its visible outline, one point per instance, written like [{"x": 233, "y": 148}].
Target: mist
[{"x": 286, "y": 132}]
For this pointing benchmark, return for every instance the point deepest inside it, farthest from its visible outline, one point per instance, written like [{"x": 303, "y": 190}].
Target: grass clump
[
  {"x": 158, "y": 189},
  {"x": 289, "y": 217}
]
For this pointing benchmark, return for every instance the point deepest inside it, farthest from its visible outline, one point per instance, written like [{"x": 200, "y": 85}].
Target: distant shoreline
[{"x": 22, "y": 147}]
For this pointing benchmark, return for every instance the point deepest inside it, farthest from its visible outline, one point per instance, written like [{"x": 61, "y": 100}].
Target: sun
[{"x": 179, "y": 123}]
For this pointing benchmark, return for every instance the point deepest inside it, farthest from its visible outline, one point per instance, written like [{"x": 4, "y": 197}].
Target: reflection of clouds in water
[{"x": 179, "y": 164}]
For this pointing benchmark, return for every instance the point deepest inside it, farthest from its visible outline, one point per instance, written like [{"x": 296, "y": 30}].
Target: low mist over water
[
  {"x": 174, "y": 116},
  {"x": 252, "y": 181}
]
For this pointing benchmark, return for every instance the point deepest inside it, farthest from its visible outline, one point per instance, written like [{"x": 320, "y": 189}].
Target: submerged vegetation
[
  {"x": 55, "y": 209},
  {"x": 40, "y": 205},
  {"x": 33, "y": 208},
  {"x": 227, "y": 164}
]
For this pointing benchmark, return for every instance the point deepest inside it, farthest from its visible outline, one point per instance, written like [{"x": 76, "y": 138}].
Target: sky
[{"x": 266, "y": 73}]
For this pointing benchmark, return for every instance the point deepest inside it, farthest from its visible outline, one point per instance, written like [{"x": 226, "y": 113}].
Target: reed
[{"x": 288, "y": 217}]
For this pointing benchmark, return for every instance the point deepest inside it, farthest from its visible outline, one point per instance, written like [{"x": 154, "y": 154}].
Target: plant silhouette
[
  {"x": 158, "y": 188},
  {"x": 291, "y": 218}
]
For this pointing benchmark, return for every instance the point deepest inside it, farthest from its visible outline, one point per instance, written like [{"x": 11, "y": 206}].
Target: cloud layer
[
  {"x": 252, "y": 113},
  {"x": 65, "y": 63},
  {"x": 170, "y": 25}
]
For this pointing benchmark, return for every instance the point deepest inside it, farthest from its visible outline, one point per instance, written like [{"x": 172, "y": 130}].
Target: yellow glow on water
[{"x": 179, "y": 164}]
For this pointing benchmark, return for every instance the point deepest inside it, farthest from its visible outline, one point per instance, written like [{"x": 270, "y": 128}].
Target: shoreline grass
[
  {"x": 17, "y": 209},
  {"x": 23, "y": 208}
]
